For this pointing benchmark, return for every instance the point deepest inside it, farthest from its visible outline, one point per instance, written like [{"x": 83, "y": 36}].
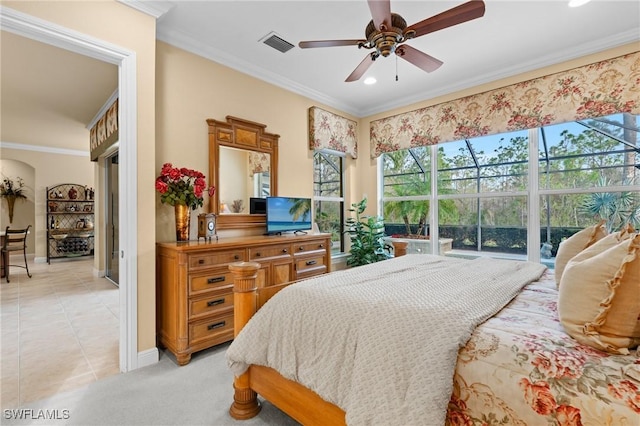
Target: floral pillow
[
  {"x": 599, "y": 297},
  {"x": 575, "y": 244}
]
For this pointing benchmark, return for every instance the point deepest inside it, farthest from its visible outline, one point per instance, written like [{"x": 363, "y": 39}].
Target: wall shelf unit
[{"x": 70, "y": 221}]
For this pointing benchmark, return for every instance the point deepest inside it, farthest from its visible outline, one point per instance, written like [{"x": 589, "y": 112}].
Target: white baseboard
[
  {"x": 148, "y": 357},
  {"x": 39, "y": 260}
]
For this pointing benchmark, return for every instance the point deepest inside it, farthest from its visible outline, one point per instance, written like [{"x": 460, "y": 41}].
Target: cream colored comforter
[{"x": 380, "y": 341}]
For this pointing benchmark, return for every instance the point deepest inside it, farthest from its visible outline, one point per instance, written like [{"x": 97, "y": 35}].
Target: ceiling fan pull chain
[{"x": 396, "y": 67}]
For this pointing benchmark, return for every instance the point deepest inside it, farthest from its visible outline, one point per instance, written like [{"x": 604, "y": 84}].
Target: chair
[{"x": 15, "y": 240}]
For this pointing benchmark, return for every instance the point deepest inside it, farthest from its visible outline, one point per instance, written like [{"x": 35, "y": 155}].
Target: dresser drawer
[
  {"x": 311, "y": 265},
  {"x": 309, "y": 246},
  {"x": 210, "y": 305},
  {"x": 218, "y": 328},
  {"x": 221, "y": 279},
  {"x": 264, "y": 252},
  {"x": 207, "y": 260}
]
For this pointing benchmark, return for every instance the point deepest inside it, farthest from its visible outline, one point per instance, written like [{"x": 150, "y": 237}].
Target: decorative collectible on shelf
[
  {"x": 69, "y": 221},
  {"x": 207, "y": 226}
]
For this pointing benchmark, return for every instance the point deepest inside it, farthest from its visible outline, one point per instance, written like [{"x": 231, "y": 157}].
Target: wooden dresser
[{"x": 194, "y": 288}]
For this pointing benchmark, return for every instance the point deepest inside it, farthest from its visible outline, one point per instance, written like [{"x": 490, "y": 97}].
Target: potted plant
[
  {"x": 367, "y": 237},
  {"x": 11, "y": 191},
  {"x": 184, "y": 189}
]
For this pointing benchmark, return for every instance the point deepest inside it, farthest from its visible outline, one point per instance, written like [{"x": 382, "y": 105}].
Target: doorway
[
  {"x": 56, "y": 35},
  {"x": 112, "y": 223}
]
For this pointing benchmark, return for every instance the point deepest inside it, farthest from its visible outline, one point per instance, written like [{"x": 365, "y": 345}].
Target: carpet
[{"x": 198, "y": 393}]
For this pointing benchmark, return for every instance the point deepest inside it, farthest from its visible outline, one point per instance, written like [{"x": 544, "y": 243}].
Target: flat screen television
[{"x": 288, "y": 214}]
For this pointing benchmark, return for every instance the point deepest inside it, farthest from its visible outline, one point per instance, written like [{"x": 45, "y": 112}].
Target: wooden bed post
[{"x": 245, "y": 400}]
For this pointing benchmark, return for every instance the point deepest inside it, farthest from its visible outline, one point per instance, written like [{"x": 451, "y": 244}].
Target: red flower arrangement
[{"x": 182, "y": 186}]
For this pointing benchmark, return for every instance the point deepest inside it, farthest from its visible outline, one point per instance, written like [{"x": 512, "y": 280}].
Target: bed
[{"x": 513, "y": 365}]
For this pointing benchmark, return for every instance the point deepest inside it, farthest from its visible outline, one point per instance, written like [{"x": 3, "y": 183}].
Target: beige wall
[
  {"x": 47, "y": 169},
  {"x": 191, "y": 89},
  {"x": 24, "y": 209},
  {"x": 123, "y": 26}
]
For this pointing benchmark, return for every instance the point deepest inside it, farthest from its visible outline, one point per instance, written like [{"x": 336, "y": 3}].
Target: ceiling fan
[{"x": 387, "y": 31}]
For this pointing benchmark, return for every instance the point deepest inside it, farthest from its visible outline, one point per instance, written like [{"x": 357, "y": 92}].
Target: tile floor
[{"x": 59, "y": 330}]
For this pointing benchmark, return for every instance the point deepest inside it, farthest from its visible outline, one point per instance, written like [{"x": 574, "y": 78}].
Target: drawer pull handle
[
  {"x": 216, "y": 325},
  {"x": 311, "y": 262},
  {"x": 301, "y": 248},
  {"x": 214, "y": 280},
  {"x": 215, "y": 302},
  {"x": 258, "y": 254},
  {"x": 201, "y": 261},
  {"x": 236, "y": 257},
  {"x": 321, "y": 246},
  {"x": 284, "y": 250}
]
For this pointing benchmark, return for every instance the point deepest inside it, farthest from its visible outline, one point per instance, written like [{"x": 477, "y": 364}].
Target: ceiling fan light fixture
[
  {"x": 370, "y": 80},
  {"x": 387, "y": 31}
]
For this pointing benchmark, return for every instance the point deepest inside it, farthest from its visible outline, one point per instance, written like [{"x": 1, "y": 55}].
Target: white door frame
[{"x": 46, "y": 32}]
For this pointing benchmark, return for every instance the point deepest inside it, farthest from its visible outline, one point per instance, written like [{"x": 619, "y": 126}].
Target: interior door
[{"x": 112, "y": 221}]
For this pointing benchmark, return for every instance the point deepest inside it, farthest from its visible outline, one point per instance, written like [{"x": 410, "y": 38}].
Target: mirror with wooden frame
[{"x": 243, "y": 164}]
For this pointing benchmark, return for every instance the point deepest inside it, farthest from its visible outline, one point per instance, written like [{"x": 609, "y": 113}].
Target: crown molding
[
  {"x": 185, "y": 42},
  {"x": 103, "y": 110},
  {"x": 152, "y": 8},
  {"x": 43, "y": 149}
]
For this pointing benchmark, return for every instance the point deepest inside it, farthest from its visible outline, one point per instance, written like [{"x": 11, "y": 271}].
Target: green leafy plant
[
  {"x": 366, "y": 234},
  {"x": 617, "y": 208}
]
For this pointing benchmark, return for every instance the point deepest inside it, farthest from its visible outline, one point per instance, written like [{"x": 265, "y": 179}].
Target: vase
[
  {"x": 183, "y": 216},
  {"x": 11, "y": 201}
]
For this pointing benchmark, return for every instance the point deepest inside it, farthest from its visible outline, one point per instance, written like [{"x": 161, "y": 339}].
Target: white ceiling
[
  {"x": 512, "y": 37},
  {"x": 50, "y": 91}
]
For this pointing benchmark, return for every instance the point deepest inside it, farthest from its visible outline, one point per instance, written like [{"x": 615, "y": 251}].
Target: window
[
  {"x": 588, "y": 153},
  {"x": 328, "y": 195},
  {"x": 407, "y": 189},
  {"x": 588, "y": 170},
  {"x": 482, "y": 194},
  {"x": 490, "y": 198}
]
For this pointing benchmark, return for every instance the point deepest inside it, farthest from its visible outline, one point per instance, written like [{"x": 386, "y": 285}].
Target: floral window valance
[
  {"x": 259, "y": 162},
  {"x": 595, "y": 90},
  {"x": 331, "y": 131},
  {"x": 104, "y": 133}
]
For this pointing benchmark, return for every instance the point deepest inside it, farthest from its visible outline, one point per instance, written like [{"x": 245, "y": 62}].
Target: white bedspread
[{"x": 380, "y": 341}]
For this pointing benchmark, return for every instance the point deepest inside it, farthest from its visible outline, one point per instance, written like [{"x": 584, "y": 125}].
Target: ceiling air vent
[{"x": 278, "y": 43}]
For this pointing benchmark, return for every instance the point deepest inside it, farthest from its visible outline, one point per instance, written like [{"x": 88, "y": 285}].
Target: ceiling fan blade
[
  {"x": 465, "y": 12},
  {"x": 360, "y": 69},
  {"x": 329, "y": 43},
  {"x": 380, "y": 12},
  {"x": 418, "y": 58}
]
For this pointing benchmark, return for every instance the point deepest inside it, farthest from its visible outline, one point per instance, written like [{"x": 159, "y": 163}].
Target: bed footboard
[
  {"x": 299, "y": 402},
  {"x": 245, "y": 291}
]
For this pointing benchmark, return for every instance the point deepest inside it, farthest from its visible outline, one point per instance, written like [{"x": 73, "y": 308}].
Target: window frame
[
  {"x": 533, "y": 193},
  {"x": 340, "y": 245}
]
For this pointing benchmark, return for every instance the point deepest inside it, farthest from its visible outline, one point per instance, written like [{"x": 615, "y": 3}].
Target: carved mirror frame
[{"x": 240, "y": 134}]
